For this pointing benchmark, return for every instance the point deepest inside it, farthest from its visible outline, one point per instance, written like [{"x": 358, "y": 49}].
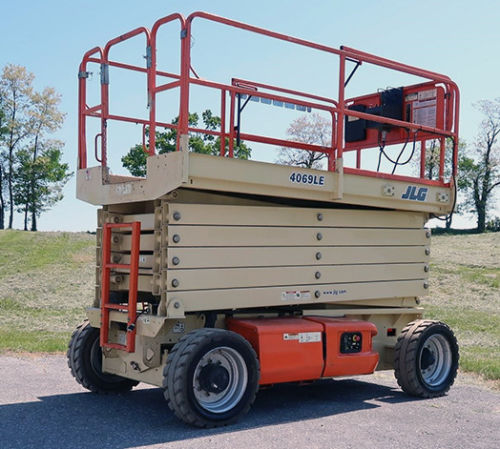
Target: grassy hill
[{"x": 47, "y": 279}]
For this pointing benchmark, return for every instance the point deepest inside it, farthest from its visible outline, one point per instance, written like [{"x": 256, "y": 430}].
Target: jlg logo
[{"x": 416, "y": 195}]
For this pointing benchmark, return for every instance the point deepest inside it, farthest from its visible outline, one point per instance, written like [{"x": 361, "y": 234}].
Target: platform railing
[{"x": 336, "y": 108}]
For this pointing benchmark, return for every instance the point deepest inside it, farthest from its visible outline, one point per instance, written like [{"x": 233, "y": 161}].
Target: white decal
[
  {"x": 411, "y": 97},
  {"x": 427, "y": 94},
  {"x": 123, "y": 189},
  {"x": 296, "y": 295},
  {"x": 424, "y": 113},
  {"x": 304, "y": 337}
]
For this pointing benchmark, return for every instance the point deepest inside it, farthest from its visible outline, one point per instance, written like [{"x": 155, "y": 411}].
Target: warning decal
[
  {"x": 304, "y": 337},
  {"x": 296, "y": 295},
  {"x": 424, "y": 113}
]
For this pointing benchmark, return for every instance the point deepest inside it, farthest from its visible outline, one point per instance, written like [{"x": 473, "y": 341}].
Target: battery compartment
[{"x": 307, "y": 348}]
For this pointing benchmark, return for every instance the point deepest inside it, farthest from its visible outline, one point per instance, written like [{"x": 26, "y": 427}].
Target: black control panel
[
  {"x": 350, "y": 342},
  {"x": 391, "y": 106}
]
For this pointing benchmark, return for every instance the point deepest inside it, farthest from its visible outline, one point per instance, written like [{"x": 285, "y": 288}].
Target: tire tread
[
  {"x": 405, "y": 359},
  {"x": 174, "y": 372}
]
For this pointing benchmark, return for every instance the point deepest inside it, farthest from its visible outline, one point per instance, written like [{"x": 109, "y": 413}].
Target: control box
[{"x": 422, "y": 104}]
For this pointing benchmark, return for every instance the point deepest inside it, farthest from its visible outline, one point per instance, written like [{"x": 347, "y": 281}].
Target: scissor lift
[{"x": 238, "y": 273}]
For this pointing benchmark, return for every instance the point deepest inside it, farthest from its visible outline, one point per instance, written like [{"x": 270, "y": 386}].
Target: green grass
[
  {"x": 33, "y": 341},
  {"x": 23, "y": 252},
  {"x": 46, "y": 280},
  {"x": 465, "y": 293},
  {"x": 481, "y": 360},
  {"x": 489, "y": 277},
  {"x": 478, "y": 335}
]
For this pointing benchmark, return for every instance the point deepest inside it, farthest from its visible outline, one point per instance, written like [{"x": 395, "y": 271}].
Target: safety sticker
[
  {"x": 427, "y": 94},
  {"x": 296, "y": 295},
  {"x": 304, "y": 337},
  {"x": 123, "y": 189},
  {"x": 178, "y": 328},
  {"x": 424, "y": 112}
]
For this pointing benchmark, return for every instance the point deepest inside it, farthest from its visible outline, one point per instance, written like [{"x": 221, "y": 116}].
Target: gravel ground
[{"x": 41, "y": 406}]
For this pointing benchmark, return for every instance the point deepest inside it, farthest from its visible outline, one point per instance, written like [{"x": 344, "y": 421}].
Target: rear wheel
[
  {"x": 85, "y": 362},
  {"x": 426, "y": 358},
  {"x": 211, "y": 377}
]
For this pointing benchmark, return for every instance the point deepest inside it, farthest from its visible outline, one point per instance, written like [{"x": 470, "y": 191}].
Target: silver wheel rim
[
  {"x": 237, "y": 378},
  {"x": 435, "y": 360}
]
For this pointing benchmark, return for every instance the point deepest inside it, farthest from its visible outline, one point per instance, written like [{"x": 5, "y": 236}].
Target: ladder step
[
  {"x": 116, "y": 306},
  {"x": 115, "y": 346},
  {"x": 117, "y": 265}
]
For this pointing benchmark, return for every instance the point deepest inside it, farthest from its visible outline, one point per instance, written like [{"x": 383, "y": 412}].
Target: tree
[
  {"x": 480, "y": 174},
  {"x": 432, "y": 159},
  {"x": 311, "y": 129},
  {"x": 166, "y": 142},
  {"x": 15, "y": 91},
  {"x": 44, "y": 118},
  {"x": 3, "y": 132},
  {"x": 39, "y": 180},
  {"x": 31, "y": 172}
]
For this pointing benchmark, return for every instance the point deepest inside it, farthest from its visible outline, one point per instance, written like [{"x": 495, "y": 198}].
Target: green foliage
[
  {"x": 39, "y": 179},
  {"x": 166, "y": 142},
  {"x": 493, "y": 225},
  {"x": 480, "y": 172},
  {"x": 31, "y": 173},
  {"x": 135, "y": 161}
]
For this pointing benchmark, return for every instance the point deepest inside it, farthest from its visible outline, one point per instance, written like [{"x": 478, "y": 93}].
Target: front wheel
[
  {"x": 426, "y": 358},
  {"x": 211, "y": 377},
  {"x": 85, "y": 362}
]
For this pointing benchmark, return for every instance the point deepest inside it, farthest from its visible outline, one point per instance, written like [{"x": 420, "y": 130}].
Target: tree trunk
[
  {"x": 32, "y": 183},
  {"x": 10, "y": 175},
  {"x": 449, "y": 218},
  {"x": 2, "y": 202},
  {"x": 11, "y": 195},
  {"x": 26, "y": 217},
  {"x": 481, "y": 218}
]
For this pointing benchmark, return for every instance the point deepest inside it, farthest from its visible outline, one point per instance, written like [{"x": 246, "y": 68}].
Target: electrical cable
[
  {"x": 402, "y": 151},
  {"x": 455, "y": 189},
  {"x": 396, "y": 162}
]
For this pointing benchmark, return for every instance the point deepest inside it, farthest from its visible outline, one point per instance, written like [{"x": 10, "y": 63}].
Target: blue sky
[{"x": 457, "y": 38}]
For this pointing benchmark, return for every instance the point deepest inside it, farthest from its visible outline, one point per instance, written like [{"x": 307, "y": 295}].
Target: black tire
[
  {"x": 85, "y": 362},
  {"x": 211, "y": 377},
  {"x": 426, "y": 358}
]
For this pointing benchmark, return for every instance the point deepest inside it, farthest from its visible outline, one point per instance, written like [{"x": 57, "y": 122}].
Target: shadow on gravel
[{"x": 141, "y": 418}]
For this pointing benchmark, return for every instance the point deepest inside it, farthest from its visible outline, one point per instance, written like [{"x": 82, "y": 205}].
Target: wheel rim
[
  {"x": 220, "y": 379},
  {"x": 435, "y": 360}
]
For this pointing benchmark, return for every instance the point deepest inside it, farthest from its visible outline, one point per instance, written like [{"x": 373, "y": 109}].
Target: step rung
[
  {"x": 116, "y": 306},
  {"x": 117, "y": 265},
  {"x": 115, "y": 346}
]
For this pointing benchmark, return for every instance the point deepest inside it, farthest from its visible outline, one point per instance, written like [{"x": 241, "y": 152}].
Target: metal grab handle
[
  {"x": 95, "y": 147},
  {"x": 144, "y": 147}
]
